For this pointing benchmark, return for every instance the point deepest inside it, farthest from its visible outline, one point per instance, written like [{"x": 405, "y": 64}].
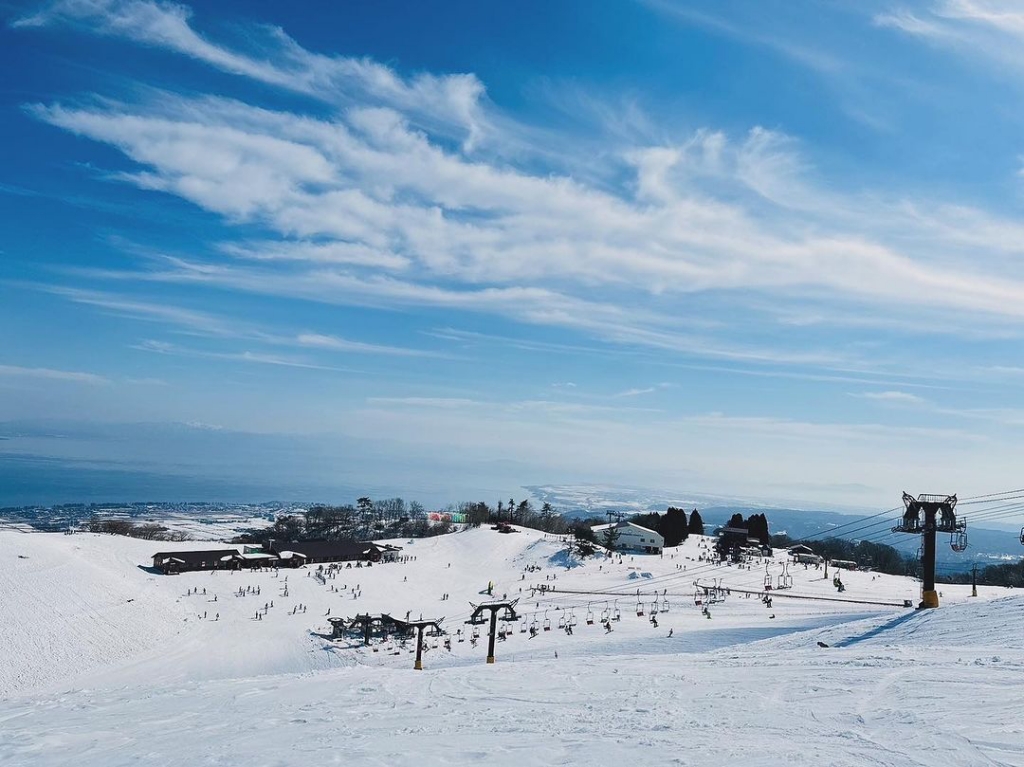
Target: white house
[{"x": 632, "y": 538}]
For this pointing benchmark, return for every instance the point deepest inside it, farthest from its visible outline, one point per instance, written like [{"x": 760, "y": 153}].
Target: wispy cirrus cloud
[
  {"x": 985, "y": 30},
  {"x": 197, "y": 322},
  {"x": 892, "y": 397},
  {"x": 336, "y": 343},
  {"x": 636, "y": 392},
  {"x": 471, "y": 223},
  {"x": 450, "y": 101},
  {"x": 514, "y": 408},
  {"x": 374, "y": 206},
  {"x": 73, "y": 376},
  {"x": 257, "y": 357}
]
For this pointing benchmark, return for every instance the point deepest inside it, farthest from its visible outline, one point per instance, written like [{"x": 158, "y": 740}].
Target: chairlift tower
[
  {"x": 509, "y": 608},
  {"x": 919, "y": 518},
  {"x": 418, "y": 627}
]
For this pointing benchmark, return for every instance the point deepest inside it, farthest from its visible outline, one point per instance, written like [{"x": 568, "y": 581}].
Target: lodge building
[{"x": 276, "y": 554}]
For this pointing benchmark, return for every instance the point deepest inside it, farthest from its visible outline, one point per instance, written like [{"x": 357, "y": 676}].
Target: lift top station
[{"x": 927, "y": 515}]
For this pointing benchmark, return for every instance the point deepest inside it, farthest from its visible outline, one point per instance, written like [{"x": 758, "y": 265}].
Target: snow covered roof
[{"x": 624, "y": 523}]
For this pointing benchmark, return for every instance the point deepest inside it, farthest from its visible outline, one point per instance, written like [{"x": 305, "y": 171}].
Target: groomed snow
[{"x": 91, "y": 677}]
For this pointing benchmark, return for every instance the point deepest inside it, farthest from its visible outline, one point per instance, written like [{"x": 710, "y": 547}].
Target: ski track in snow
[{"x": 90, "y": 678}]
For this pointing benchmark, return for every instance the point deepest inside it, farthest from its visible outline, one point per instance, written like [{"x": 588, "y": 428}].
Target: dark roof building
[
  {"x": 210, "y": 559},
  {"x": 305, "y": 552}
]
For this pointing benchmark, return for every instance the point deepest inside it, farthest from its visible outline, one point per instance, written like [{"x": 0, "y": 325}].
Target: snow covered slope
[{"x": 116, "y": 682}]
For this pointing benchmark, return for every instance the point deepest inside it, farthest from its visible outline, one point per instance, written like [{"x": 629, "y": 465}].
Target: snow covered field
[{"x": 105, "y": 663}]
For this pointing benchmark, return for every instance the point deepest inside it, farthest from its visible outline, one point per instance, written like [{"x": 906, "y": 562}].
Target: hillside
[{"x": 893, "y": 687}]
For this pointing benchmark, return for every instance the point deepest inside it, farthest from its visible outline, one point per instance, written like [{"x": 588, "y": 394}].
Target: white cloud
[
  {"x": 895, "y": 397},
  {"x": 374, "y": 207},
  {"x": 450, "y": 101},
  {"x": 260, "y": 358},
  {"x": 988, "y": 30},
  {"x": 636, "y": 392},
  {"x": 334, "y": 343},
  {"x": 474, "y": 223},
  {"x": 73, "y": 376},
  {"x": 194, "y": 322}
]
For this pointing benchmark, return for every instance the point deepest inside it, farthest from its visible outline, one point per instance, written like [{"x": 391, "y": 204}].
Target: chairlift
[
  {"x": 654, "y": 607},
  {"x": 639, "y": 608},
  {"x": 767, "y": 577},
  {"x": 1022, "y": 536},
  {"x": 522, "y": 627},
  {"x": 547, "y": 621},
  {"x": 617, "y": 614},
  {"x": 534, "y": 626},
  {"x": 590, "y": 615},
  {"x": 958, "y": 541},
  {"x": 606, "y": 614},
  {"x": 572, "y": 617},
  {"x": 476, "y": 632},
  {"x": 561, "y": 622},
  {"x": 664, "y": 605},
  {"x": 785, "y": 580}
]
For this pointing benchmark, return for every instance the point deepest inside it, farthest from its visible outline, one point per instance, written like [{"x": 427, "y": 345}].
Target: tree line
[
  {"x": 673, "y": 525},
  {"x": 394, "y": 518},
  {"x": 147, "y": 531}
]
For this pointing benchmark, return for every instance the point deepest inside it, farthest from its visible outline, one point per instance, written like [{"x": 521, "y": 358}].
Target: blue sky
[{"x": 770, "y": 249}]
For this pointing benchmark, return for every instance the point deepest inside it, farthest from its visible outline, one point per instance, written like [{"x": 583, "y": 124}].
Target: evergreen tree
[
  {"x": 610, "y": 539},
  {"x": 696, "y": 526},
  {"x": 757, "y": 527},
  {"x": 582, "y": 541},
  {"x": 674, "y": 526},
  {"x": 651, "y": 520}
]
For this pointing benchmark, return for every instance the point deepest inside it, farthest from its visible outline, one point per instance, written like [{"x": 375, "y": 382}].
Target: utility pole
[
  {"x": 493, "y": 608},
  {"x": 974, "y": 581},
  {"x": 826, "y": 568}
]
